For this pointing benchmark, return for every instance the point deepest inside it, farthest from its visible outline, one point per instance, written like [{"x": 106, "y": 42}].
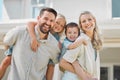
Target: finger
[
  {"x": 33, "y": 48},
  {"x": 38, "y": 44}
]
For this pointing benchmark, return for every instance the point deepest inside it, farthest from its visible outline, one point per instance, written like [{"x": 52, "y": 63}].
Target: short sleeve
[
  {"x": 66, "y": 43},
  {"x": 11, "y": 36}
]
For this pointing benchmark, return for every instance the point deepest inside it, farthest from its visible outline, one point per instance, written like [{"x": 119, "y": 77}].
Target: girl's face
[
  {"x": 72, "y": 33},
  {"x": 59, "y": 25},
  {"x": 87, "y": 23}
]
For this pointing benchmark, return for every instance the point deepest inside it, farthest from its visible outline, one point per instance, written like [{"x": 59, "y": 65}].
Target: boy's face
[{"x": 72, "y": 33}]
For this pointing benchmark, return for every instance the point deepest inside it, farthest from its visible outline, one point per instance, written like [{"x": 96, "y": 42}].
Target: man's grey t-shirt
[{"x": 26, "y": 64}]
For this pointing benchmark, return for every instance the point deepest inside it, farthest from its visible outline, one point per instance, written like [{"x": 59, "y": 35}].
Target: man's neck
[{"x": 43, "y": 36}]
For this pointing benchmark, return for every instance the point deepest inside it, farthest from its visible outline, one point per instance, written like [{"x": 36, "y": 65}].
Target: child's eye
[{"x": 89, "y": 19}]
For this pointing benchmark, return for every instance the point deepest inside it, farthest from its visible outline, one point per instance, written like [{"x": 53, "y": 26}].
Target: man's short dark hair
[{"x": 49, "y": 10}]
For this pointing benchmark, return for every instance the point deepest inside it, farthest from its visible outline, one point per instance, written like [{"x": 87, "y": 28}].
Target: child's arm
[
  {"x": 66, "y": 65},
  {"x": 34, "y": 42},
  {"x": 81, "y": 72},
  {"x": 77, "y": 43}
]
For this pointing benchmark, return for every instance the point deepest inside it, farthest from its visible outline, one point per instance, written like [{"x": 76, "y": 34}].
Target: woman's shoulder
[{"x": 83, "y": 35}]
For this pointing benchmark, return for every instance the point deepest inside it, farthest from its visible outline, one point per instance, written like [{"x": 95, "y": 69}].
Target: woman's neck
[{"x": 90, "y": 34}]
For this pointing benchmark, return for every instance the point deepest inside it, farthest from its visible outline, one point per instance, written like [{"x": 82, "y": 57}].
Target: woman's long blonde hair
[{"x": 96, "y": 40}]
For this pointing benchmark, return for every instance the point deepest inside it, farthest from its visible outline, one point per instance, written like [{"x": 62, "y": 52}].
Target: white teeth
[{"x": 89, "y": 28}]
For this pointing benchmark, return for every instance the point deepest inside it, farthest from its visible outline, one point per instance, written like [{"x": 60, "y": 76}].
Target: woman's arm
[
  {"x": 34, "y": 42},
  {"x": 66, "y": 65},
  {"x": 82, "y": 74},
  {"x": 75, "y": 68}
]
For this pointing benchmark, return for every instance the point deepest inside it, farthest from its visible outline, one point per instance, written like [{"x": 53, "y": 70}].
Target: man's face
[{"x": 45, "y": 21}]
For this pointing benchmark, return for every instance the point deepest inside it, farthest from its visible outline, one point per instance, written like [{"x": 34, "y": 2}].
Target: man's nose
[{"x": 48, "y": 23}]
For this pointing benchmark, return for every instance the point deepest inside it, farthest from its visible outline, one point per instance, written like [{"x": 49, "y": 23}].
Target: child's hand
[
  {"x": 34, "y": 45},
  {"x": 84, "y": 42}
]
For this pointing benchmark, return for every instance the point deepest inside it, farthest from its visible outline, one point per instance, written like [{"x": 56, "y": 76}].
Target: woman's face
[
  {"x": 87, "y": 23},
  {"x": 59, "y": 25}
]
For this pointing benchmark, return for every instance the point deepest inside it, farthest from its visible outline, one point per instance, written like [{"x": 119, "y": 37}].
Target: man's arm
[{"x": 34, "y": 42}]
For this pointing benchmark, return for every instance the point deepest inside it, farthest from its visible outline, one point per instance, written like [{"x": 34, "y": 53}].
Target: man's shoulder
[
  {"x": 52, "y": 39},
  {"x": 19, "y": 29},
  {"x": 50, "y": 36}
]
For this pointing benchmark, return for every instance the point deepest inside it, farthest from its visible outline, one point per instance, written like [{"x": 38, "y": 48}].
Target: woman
[{"x": 87, "y": 67}]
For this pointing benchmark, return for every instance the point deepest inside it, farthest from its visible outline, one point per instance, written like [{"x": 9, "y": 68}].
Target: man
[{"x": 27, "y": 64}]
